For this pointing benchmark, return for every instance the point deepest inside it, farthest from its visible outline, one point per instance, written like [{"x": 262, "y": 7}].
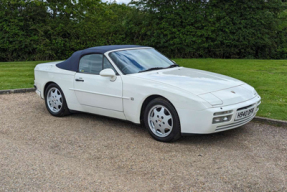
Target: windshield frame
[{"x": 107, "y": 54}]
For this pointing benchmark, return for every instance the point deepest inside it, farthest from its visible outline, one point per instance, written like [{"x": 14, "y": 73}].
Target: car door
[{"x": 94, "y": 90}]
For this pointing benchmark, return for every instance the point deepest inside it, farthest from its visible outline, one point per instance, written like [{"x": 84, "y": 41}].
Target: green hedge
[{"x": 54, "y": 29}]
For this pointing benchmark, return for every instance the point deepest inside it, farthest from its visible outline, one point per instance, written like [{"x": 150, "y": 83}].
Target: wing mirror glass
[{"x": 108, "y": 73}]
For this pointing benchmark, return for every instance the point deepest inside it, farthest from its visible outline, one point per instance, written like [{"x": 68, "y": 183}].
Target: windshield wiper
[
  {"x": 173, "y": 65},
  {"x": 151, "y": 69},
  {"x": 156, "y": 68}
]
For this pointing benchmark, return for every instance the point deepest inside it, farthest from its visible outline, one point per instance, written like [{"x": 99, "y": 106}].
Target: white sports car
[{"x": 138, "y": 84}]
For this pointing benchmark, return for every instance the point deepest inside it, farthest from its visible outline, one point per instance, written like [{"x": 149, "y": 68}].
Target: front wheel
[
  {"x": 55, "y": 101},
  {"x": 162, "y": 121}
]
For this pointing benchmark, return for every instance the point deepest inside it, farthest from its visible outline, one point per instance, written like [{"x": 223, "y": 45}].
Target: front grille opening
[
  {"x": 245, "y": 107},
  {"x": 238, "y": 123}
]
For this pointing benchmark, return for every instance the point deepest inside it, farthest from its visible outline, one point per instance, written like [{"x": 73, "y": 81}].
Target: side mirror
[{"x": 108, "y": 73}]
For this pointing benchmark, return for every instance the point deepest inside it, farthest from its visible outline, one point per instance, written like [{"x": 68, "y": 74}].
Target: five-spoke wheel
[
  {"x": 162, "y": 120},
  {"x": 55, "y": 100}
]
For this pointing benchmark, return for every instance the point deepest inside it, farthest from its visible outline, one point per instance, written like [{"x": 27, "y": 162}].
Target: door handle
[{"x": 81, "y": 80}]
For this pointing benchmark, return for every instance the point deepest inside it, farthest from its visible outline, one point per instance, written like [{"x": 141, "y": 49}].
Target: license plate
[{"x": 244, "y": 113}]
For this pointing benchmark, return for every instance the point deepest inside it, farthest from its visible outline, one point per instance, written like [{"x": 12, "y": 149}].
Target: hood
[{"x": 192, "y": 80}]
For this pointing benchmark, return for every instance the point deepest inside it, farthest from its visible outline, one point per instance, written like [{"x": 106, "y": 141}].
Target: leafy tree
[
  {"x": 215, "y": 28},
  {"x": 54, "y": 29}
]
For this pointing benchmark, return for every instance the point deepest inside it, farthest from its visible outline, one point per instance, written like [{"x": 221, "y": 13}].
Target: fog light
[
  {"x": 221, "y": 119},
  {"x": 216, "y": 119}
]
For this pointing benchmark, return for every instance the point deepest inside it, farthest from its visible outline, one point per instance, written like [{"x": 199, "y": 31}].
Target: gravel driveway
[{"x": 85, "y": 152}]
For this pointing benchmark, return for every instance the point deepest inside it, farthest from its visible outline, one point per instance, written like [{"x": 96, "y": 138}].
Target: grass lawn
[
  {"x": 14, "y": 75},
  {"x": 269, "y": 77}
]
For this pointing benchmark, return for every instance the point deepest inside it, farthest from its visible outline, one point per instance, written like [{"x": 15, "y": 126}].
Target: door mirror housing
[{"x": 108, "y": 73}]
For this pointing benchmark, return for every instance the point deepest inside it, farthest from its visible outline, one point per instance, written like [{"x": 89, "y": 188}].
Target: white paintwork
[
  {"x": 99, "y": 91},
  {"x": 192, "y": 80},
  {"x": 195, "y": 94}
]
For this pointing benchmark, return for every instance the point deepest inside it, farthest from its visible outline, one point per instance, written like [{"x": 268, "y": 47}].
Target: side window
[
  {"x": 107, "y": 65},
  {"x": 91, "y": 64}
]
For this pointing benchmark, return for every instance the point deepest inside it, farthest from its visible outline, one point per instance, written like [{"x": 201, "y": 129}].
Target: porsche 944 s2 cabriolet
[{"x": 138, "y": 84}]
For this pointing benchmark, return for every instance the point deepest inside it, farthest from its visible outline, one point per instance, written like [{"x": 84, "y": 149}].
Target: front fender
[{"x": 137, "y": 90}]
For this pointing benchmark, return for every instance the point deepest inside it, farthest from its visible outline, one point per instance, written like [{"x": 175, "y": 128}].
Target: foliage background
[{"x": 54, "y": 29}]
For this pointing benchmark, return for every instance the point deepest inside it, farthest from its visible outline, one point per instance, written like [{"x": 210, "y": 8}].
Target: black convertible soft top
[{"x": 72, "y": 63}]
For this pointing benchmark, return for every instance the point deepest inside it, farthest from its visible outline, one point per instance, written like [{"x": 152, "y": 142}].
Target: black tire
[
  {"x": 175, "y": 132},
  {"x": 64, "y": 110}
]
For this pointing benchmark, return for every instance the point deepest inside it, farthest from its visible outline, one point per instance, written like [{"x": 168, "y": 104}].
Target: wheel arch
[
  {"x": 149, "y": 99},
  {"x": 46, "y": 85}
]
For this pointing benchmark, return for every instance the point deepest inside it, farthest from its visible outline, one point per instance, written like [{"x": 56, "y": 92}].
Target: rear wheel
[
  {"x": 55, "y": 101},
  {"x": 162, "y": 121}
]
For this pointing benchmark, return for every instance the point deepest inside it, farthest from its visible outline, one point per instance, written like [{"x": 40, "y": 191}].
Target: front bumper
[{"x": 200, "y": 122}]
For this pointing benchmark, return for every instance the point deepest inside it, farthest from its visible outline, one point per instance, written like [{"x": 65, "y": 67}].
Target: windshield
[{"x": 138, "y": 60}]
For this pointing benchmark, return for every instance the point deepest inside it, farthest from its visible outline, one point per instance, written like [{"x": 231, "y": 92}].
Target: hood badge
[{"x": 233, "y": 92}]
